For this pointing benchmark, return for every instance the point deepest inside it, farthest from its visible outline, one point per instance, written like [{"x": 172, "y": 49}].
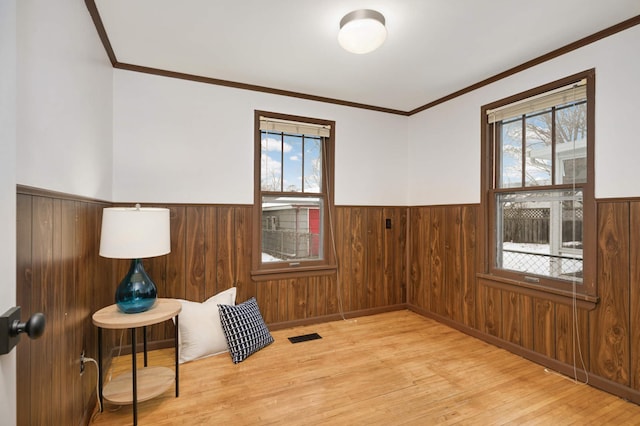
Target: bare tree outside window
[{"x": 537, "y": 133}]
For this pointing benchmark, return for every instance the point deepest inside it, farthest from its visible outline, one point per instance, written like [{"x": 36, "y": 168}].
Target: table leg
[
  {"x": 134, "y": 372},
  {"x": 144, "y": 331},
  {"x": 100, "y": 366},
  {"x": 176, "y": 352}
]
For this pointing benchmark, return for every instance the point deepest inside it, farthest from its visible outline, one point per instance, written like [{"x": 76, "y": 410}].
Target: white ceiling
[{"x": 433, "y": 48}]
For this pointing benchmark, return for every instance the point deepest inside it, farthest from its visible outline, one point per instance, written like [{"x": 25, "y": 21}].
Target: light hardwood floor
[{"x": 394, "y": 368}]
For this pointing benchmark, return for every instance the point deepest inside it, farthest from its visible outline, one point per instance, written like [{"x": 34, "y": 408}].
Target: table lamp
[{"x": 135, "y": 233}]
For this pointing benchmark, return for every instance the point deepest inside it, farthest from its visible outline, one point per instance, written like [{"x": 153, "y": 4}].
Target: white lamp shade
[
  {"x": 362, "y": 31},
  {"x": 135, "y": 232}
]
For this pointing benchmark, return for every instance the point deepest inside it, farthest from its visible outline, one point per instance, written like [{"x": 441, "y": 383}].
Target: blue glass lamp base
[{"x": 137, "y": 292}]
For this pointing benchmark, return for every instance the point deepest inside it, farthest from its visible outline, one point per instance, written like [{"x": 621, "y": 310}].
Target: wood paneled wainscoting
[
  {"x": 444, "y": 256},
  {"x": 60, "y": 274}
]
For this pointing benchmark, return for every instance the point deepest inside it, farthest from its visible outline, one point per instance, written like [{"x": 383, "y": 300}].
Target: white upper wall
[
  {"x": 444, "y": 141},
  {"x": 86, "y": 129},
  {"x": 64, "y": 110},
  {"x": 8, "y": 59},
  {"x": 178, "y": 141}
]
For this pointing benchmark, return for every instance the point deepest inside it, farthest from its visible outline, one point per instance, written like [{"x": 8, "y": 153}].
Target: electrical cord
[
  {"x": 574, "y": 307},
  {"x": 332, "y": 234},
  {"x": 87, "y": 359}
]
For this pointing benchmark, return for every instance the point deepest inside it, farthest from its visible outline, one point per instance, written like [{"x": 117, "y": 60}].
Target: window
[
  {"x": 293, "y": 195},
  {"x": 539, "y": 202}
]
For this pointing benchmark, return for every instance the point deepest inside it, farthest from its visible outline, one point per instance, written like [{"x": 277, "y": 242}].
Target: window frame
[
  {"x": 587, "y": 290},
  {"x": 276, "y": 270}
]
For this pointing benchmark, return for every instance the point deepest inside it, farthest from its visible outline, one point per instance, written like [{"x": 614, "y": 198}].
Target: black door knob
[{"x": 34, "y": 327}]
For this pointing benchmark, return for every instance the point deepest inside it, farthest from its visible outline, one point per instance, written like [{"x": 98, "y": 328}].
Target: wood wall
[
  {"x": 444, "y": 258},
  {"x": 443, "y": 261},
  {"x": 60, "y": 274}
]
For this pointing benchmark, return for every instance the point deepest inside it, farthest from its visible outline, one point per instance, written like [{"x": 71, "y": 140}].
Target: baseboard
[{"x": 594, "y": 380}]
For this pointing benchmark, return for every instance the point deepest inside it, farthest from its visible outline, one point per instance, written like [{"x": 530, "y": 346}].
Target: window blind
[
  {"x": 572, "y": 93},
  {"x": 294, "y": 127}
]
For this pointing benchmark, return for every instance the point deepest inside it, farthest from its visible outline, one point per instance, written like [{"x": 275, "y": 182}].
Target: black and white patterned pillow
[{"x": 244, "y": 329}]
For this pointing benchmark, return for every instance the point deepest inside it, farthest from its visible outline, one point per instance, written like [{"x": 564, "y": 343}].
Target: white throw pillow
[{"x": 200, "y": 332}]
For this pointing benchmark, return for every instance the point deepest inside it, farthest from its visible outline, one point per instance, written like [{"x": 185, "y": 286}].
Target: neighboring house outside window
[
  {"x": 293, "y": 195},
  {"x": 538, "y": 185}
]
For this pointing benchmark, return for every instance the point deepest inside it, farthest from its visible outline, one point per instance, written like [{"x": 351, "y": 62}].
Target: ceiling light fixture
[{"x": 362, "y": 31}]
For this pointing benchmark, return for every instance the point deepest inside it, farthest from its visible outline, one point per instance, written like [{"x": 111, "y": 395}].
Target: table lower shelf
[{"x": 152, "y": 381}]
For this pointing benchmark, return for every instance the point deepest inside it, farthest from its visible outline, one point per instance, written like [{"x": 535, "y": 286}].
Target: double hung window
[
  {"x": 539, "y": 186},
  {"x": 294, "y": 175}
]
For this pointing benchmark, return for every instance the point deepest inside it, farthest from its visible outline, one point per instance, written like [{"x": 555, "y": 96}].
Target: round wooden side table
[{"x": 140, "y": 384}]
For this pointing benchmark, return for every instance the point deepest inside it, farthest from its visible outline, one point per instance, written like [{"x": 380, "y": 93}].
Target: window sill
[
  {"x": 583, "y": 301},
  {"x": 293, "y": 272}
]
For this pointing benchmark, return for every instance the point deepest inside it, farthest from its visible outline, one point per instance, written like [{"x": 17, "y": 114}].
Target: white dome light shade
[
  {"x": 135, "y": 232},
  {"x": 362, "y": 31}
]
